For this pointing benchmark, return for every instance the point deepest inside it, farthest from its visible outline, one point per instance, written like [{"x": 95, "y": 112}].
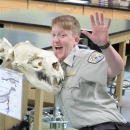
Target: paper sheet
[{"x": 10, "y": 93}]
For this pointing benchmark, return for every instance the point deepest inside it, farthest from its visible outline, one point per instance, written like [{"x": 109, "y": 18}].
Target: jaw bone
[{"x": 40, "y": 84}]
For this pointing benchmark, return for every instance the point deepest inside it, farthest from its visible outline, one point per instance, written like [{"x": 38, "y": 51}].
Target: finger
[
  {"x": 109, "y": 23},
  {"x": 92, "y": 20},
  {"x": 97, "y": 18},
  {"x": 102, "y": 18}
]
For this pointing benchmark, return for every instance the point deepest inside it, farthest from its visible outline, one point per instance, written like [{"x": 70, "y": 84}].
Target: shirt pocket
[{"x": 73, "y": 92}]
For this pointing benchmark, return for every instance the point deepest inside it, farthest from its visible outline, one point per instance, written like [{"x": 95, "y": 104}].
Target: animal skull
[
  {"x": 5, "y": 46},
  {"x": 40, "y": 67}
]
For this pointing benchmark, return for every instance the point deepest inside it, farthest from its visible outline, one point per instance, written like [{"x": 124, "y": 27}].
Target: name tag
[{"x": 71, "y": 74}]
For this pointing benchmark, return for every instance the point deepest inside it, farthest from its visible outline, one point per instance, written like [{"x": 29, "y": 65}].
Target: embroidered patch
[{"x": 95, "y": 57}]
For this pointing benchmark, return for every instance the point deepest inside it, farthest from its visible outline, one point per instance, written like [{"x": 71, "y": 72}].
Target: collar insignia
[
  {"x": 95, "y": 57},
  {"x": 71, "y": 74}
]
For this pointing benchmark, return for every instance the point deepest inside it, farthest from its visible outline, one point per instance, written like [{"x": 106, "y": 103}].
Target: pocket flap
[{"x": 71, "y": 83}]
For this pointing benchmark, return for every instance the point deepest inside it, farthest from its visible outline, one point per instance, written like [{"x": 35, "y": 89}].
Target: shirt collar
[{"x": 69, "y": 59}]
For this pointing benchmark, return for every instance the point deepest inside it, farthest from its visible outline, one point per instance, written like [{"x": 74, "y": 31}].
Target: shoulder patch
[{"x": 95, "y": 57}]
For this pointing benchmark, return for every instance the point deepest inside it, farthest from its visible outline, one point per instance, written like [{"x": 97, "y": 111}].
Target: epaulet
[
  {"x": 83, "y": 52},
  {"x": 95, "y": 57}
]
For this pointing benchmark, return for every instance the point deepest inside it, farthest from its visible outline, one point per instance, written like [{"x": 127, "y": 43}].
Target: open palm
[{"x": 99, "y": 31}]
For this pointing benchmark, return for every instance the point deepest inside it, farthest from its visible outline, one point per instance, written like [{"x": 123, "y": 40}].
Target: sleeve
[{"x": 95, "y": 68}]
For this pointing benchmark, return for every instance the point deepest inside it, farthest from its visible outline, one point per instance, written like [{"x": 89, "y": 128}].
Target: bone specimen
[
  {"x": 5, "y": 46},
  {"x": 41, "y": 68}
]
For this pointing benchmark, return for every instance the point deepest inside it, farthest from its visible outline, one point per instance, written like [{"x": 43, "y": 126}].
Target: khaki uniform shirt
[{"x": 84, "y": 99}]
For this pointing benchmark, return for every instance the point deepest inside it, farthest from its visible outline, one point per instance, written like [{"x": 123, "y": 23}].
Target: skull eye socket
[
  {"x": 36, "y": 62},
  {"x": 1, "y": 61},
  {"x": 2, "y": 50},
  {"x": 40, "y": 63},
  {"x": 56, "y": 66}
]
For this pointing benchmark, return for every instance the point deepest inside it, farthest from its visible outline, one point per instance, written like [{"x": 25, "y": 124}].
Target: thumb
[{"x": 86, "y": 33}]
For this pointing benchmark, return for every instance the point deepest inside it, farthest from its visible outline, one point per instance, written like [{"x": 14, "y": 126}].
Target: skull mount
[{"x": 41, "y": 68}]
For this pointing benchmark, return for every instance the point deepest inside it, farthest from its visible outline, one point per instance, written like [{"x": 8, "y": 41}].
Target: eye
[
  {"x": 52, "y": 35},
  {"x": 62, "y": 35}
]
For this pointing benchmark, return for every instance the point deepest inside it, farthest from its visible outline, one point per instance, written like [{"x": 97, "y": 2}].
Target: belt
[{"x": 109, "y": 126}]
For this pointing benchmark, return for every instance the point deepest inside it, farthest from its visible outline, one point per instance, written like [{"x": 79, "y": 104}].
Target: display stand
[
  {"x": 56, "y": 120},
  {"x": 38, "y": 109}
]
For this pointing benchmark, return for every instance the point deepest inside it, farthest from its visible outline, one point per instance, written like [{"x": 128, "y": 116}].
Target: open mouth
[
  {"x": 58, "y": 48},
  {"x": 51, "y": 80}
]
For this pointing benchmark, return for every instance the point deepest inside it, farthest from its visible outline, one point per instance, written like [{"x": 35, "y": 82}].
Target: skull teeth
[{"x": 51, "y": 80}]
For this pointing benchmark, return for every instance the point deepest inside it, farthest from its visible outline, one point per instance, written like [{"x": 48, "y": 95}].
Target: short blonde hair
[{"x": 68, "y": 22}]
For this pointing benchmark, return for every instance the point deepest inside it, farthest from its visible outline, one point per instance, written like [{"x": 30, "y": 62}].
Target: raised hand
[{"x": 99, "y": 31}]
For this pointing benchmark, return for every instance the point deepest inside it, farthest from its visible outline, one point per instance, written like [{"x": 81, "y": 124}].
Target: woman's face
[{"x": 63, "y": 41}]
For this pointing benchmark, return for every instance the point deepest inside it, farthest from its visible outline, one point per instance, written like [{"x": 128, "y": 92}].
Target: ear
[{"x": 77, "y": 39}]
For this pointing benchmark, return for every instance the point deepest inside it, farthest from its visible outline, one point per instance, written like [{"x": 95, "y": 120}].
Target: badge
[
  {"x": 95, "y": 57},
  {"x": 71, "y": 74}
]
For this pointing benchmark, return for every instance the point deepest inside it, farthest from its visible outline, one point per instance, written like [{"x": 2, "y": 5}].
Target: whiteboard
[{"x": 11, "y": 93}]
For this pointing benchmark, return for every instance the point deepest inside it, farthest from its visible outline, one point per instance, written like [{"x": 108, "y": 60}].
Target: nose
[{"x": 56, "y": 39}]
